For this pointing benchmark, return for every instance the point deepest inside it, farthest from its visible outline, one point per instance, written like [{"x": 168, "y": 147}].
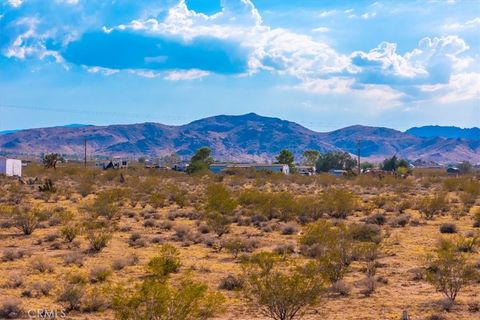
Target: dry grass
[{"x": 47, "y": 265}]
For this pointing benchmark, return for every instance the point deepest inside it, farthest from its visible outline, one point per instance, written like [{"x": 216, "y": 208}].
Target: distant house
[
  {"x": 281, "y": 168},
  {"x": 453, "y": 170},
  {"x": 305, "y": 170},
  {"x": 11, "y": 167},
  {"x": 116, "y": 163},
  {"x": 181, "y": 166},
  {"x": 338, "y": 173}
]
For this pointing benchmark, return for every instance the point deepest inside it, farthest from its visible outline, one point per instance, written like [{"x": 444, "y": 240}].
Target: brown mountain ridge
[{"x": 248, "y": 137}]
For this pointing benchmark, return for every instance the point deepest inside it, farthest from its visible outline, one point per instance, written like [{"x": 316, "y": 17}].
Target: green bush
[
  {"x": 279, "y": 291},
  {"x": 449, "y": 271},
  {"x": 166, "y": 263},
  {"x": 338, "y": 202}
]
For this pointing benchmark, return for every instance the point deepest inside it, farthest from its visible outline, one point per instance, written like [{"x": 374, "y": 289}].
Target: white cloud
[
  {"x": 15, "y": 3},
  {"x": 186, "y": 75},
  {"x": 321, "y": 29},
  {"x": 101, "y": 70},
  {"x": 470, "y": 24},
  {"x": 461, "y": 87},
  {"x": 327, "y": 13}
]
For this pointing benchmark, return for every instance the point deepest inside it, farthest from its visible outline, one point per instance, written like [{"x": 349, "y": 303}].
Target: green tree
[
  {"x": 393, "y": 163},
  {"x": 286, "y": 157},
  {"x": 51, "y": 160},
  {"x": 201, "y": 160},
  {"x": 310, "y": 157},
  {"x": 335, "y": 160},
  {"x": 449, "y": 271}
]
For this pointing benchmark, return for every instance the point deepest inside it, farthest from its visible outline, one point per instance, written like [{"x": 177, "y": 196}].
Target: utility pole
[
  {"x": 358, "y": 155},
  {"x": 85, "y": 156}
]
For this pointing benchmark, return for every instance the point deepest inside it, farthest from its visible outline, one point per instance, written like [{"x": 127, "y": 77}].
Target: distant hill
[
  {"x": 248, "y": 137},
  {"x": 445, "y": 132},
  {"x": 73, "y": 125}
]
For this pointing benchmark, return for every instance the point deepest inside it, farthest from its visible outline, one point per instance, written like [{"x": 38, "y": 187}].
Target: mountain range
[{"x": 248, "y": 137}]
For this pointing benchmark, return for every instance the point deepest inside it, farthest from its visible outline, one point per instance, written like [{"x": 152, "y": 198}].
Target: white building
[
  {"x": 11, "y": 167},
  {"x": 115, "y": 163},
  {"x": 218, "y": 167}
]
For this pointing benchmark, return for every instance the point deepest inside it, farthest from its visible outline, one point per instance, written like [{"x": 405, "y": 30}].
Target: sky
[{"x": 325, "y": 64}]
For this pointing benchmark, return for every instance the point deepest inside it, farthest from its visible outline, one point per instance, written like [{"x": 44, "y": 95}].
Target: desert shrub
[
  {"x": 220, "y": 200},
  {"x": 75, "y": 258},
  {"x": 27, "y": 220},
  {"x": 13, "y": 254},
  {"x": 288, "y": 229},
  {"x": 368, "y": 286},
  {"x": 98, "y": 238},
  {"x": 285, "y": 248},
  {"x": 217, "y": 222},
  {"x": 42, "y": 288},
  {"x": 122, "y": 262},
  {"x": 365, "y": 232},
  {"x": 136, "y": 240},
  {"x": 230, "y": 283},
  {"x": 341, "y": 287},
  {"x": 368, "y": 253},
  {"x": 177, "y": 195},
  {"x": 476, "y": 218},
  {"x": 236, "y": 245},
  {"x": 71, "y": 296},
  {"x": 376, "y": 218},
  {"x": 158, "y": 300},
  {"x": 95, "y": 299},
  {"x": 14, "y": 280},
  {"x": 157, "y": 200},
  {"x": 11, "y": 308},
  {"x": 42, "y": 265},
  {"x": 278, "y": 291},
  {"x": 331, "y": 245},
  {"x": 105, "y": 205},
  {"x": 431, "y": 206},
  {"x": 448, "y": 228},
  {"x": 167, "y": 262},
  {"x": 70, "y": 232},
  {"x": 155, "y": 298},
  {"x": 149, "y": 223},
  {"x": 338, "y": 202},
  {"x": 448, "y": 270},
  {"x": 99, "y": 273},
  {"x": 400, "y": 220},
  {"x": 468, "y": 243}
]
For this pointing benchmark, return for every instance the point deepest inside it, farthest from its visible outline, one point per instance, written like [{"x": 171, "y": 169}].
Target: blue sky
[{"x": 324, "y": 64}]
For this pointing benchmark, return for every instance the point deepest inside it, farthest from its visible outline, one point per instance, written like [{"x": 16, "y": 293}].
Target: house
[
  {"x": 305, "y": 170},
  {"x": 116, "y": 163},
  {"x": 181, "y": 166},
  {"x": 281, "y": 168},
  {"x": 11, "y": 167},
  {"x": 338, "y": 173},
  {"x": 453, "y": 170}
]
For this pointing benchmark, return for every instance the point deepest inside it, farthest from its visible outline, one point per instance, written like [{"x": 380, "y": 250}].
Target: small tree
[
  {"x": 393, "y": 163},
  {"x": 338, "y": 202},
  {"x": 51, "y": 160},
  {"x": 335, "y": 160},
  {"x": 281, "y": 292},
  {"x": 218, "y": 222},
  {"x": 286, "y": 157},
  {"x": 431, "y": 206},
  {"x": 201, "y": 160},
  {"x": 166, "y": 263},
  {"x": 449, "y": 271},
  {"x": 310, "y": 157}
]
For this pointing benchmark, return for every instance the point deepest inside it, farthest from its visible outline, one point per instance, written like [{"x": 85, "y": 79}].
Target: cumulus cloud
[{"x": 15, "y": 3}]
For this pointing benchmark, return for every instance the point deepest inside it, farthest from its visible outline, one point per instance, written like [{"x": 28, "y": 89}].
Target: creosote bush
[{"x": 280, "y": 291}]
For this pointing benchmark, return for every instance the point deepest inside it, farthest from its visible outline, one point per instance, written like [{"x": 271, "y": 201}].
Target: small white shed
[{"x": 11, "y": 167}]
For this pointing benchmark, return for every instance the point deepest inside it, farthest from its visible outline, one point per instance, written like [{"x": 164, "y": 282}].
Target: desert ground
[{"x": 79, "y": 241}]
